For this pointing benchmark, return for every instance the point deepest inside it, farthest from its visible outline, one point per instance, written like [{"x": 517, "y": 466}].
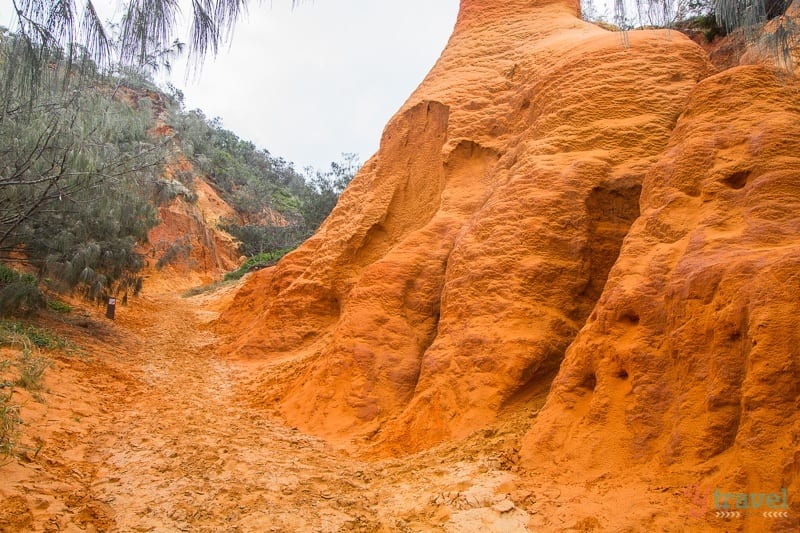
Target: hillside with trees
[
  {"x": 562, "y": 296},
  {"x": 89, "y": 160}
]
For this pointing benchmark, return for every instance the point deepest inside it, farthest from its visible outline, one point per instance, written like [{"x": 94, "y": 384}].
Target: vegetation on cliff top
[
  {"x": 711, "y": 17},
  {"x": 81, "y": 164},
  {"x": 277, "y": 207},
  {"x": 82, "y": 172}
]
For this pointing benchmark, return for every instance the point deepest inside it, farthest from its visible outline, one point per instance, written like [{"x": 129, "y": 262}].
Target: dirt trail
[{"x": 154, "y": 433}]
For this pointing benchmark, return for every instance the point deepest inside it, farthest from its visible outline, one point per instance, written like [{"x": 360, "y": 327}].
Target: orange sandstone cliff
[
  {"x": 187, "y": 246},
  {"x": 555, "y": 197},
  {"x": 691, "y": 359},
  {"x": 471, "y": 248}
]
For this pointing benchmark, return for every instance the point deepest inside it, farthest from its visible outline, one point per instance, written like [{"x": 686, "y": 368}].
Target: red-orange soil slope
[
  {"x": 469, "y": 261},
  {"x": 690, "y": 361},
  {"x": 471, "y": 248}
]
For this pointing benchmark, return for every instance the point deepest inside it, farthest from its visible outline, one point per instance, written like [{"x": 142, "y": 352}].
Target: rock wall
[
  {"x": 469, "y": 251},
  {"x": 558, "y": 198},
  {"x": 691, "y": 359},
  {"x": 187, "y": 246}
]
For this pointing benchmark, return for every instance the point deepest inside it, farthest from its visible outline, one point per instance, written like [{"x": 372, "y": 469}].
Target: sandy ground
[{"x": 151, "y": 429}]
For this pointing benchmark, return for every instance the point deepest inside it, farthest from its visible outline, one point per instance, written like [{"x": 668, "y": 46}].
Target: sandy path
[
  {"x": 154, "y": 434},
  {"x": 185, "y": 453}
]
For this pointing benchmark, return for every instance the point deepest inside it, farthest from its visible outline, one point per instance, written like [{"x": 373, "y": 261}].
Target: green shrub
[
  {"x": 178, "y": 251},
  {"x": 256, "y": 262},
  {"x": 19, "y": 293},
  {"x": 59, "y": 306},
  {"x": 77, "y": 178},
  {"x": 167, "y": 190},
  {"x": 8, "y": 275},
  {"x": 257, "y": 239}
]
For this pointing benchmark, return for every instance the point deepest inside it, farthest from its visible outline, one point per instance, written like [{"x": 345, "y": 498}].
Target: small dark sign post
[{"x": 112, "y": 304}]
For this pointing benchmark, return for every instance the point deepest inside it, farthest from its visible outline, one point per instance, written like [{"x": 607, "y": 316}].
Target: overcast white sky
[{"x": 323, "y": 78}]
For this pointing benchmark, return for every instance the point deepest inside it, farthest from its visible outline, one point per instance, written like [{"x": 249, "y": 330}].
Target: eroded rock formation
[
  {"x": 187, "y": 238},
  {"x": 474, "y": 249},
  {"x": 691, "y": 357},
  {"x": 471, "y": 248}
]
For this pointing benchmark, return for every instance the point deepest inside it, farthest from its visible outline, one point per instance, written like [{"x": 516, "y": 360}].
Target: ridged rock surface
[
  {"x": 692, "y": 356},
  {"x": 558, "y": 198},
  {"x": 469, "y": 251}
]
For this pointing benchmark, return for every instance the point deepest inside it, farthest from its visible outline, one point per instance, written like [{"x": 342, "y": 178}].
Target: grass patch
[
  {"x": 31, "y": 370},
  {"x": 23, "y": 367},
  {"x": 257, "y": 262},
  {"x": 5, "y": 364},
  {"x": 12, "y": 332},
  {"x": 59, "y": 306},
  {"x": 203, "y": 289},
  {"x": 9, "y": 424}
]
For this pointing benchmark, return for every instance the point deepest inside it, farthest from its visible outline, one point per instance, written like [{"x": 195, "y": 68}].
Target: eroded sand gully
[
  {"x": 462, "y": 266},
  {"x": 155, "y": 431}
]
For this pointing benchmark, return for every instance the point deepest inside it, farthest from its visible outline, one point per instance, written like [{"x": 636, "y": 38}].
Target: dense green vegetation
[
  {"x": 19, "y": 292},
  {"x": 76, "y": 164},
  {"x": 82, "y": 160},
  {"x": 277, "y": 207}
]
